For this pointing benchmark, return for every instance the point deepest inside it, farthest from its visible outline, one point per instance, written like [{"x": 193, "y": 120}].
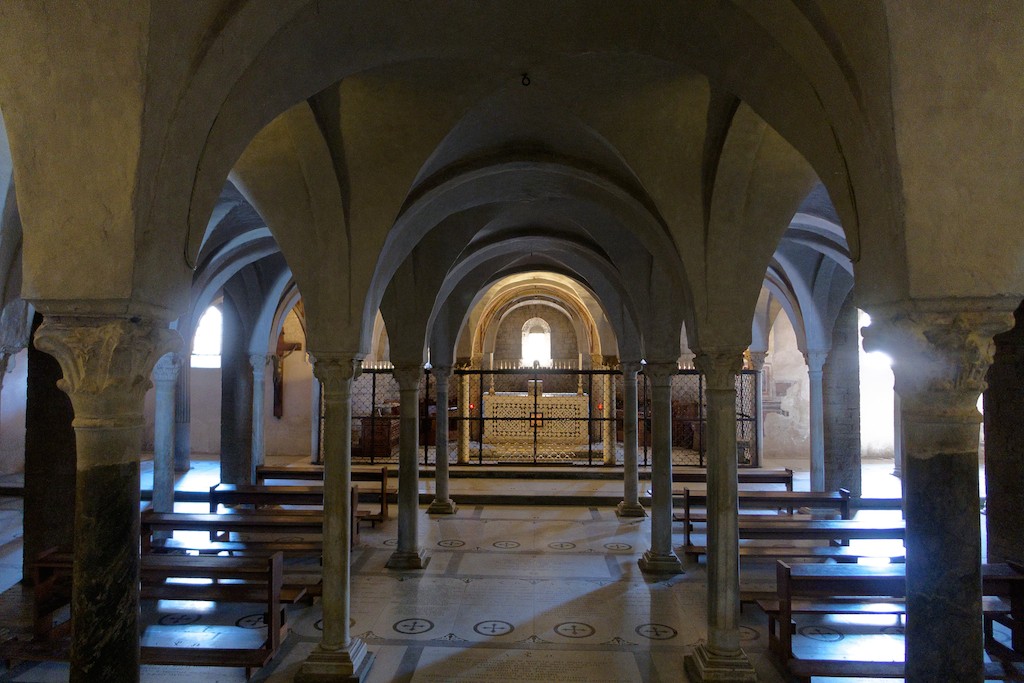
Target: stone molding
[
  {"x": 939, "y": 358},
  {"x": 335, "y": 373},
  {"x": 720, "y": 367},
  {"x": 631, "y": 367},
  {"x": 107, "y": 364}
]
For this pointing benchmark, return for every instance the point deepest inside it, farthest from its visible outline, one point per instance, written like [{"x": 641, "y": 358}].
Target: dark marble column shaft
[
  {"x": 660, "y": 559},
  {"x": 630, "y": 505},
  {"x": 939, "y": 361},
  {"x": 1004, "y": 446},
  {"x": 443, "y": 504},
  {"x": 408, "y": 555},
  {"x": 841, "y": 387},
  {"x": 106, "y": 365}
]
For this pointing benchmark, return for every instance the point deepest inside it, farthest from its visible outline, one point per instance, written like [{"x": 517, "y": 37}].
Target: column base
[
  {"x": 442, "y": 507},
  {"x": 404, "y": 559},
  {"x": 327, "y": 666},
  {"x": 651, "y": 563},
  {"x": 624, "y": 509},
  {"x": 704, "y": 665}
]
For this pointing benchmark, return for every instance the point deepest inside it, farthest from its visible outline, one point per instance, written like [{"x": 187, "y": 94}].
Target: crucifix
[{"x": 284, "y": 349}]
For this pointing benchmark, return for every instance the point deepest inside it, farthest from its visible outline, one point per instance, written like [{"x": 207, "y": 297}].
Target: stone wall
[
  {"x": 12, "y": 414},
  {"x": 841, "y": 390},
  {"x": 508, "y": 343},
  {"x": 786, "y": 429}
]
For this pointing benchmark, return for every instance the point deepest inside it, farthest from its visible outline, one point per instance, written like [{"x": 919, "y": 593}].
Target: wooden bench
[
  {"x": 838, "y": 500},
  {"x": 782, "y": 476},
  {"x": 231, "y": 579},
  {"x": 834, "y": 531},
  {"x": 853, "y": 590},
  {"x": 379, "y": 476},
  {"x": 288, "y": 523}
]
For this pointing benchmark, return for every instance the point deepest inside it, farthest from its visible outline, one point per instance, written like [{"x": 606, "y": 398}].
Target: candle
[{"x": 581, "y": 360}]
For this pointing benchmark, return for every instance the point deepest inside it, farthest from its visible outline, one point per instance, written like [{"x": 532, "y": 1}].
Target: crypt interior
[{"x": 541, "y": 262}]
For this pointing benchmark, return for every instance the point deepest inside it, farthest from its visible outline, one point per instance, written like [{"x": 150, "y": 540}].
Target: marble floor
[{"x": 511, "y": 593}]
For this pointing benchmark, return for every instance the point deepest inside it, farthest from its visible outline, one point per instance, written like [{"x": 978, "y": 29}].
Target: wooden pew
[
  {"x": 860, "y": 589},
  {"x": 232, "y": 579},
  {"x": 839, "y": 500},
  {"x": 316, "y": 473},
  {"x": 834, "y": 531},
  {"x": 289, "y": 523},
  {"x": 782, "y": 476}
]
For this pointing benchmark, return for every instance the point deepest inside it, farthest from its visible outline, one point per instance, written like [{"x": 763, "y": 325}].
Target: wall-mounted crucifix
[{"x": 284, "y": 349}]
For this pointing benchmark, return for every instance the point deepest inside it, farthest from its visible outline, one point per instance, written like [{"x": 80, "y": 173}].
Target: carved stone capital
[
  {"x": 408, "y": 376},
  {"x": 166, "y": 369},
  {"x": 107, "y": 364},
  {"x": 335, "y": 373},
  {"x": 815, "y": 360},
  {"x": 630, "y": 368},
  {"x": 442, "y": 374},
  {"x": 661, "y": 373},
  {"x": 939, "y": 358},
  {"x": 259, "y": 362},
  {"x": 720, "y": 367},
  {"x": 757, "y": 359}
]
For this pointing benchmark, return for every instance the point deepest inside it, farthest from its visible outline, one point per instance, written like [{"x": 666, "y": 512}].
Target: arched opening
[
  {"x": 536, "y": 347},
  {"x": 206, "y": 344}
]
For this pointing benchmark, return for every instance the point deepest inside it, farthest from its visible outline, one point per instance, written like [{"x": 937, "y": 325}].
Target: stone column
[
  {"x": 443, "y": 504},
  {"x": 408, "y": 555},
  {"x": 258, "y": 361},
  {"x": 608, "y": 413},
  {"x": 757, "y": 359},
  {"x": 338, "y": 656},
  {"x": 164, "y": 375},
  {"x": 897, "y": 437},
  {"x": 1004, "y": 446},
  {"x": 660, "y": 559},
  {"x": 630, "y": 505},
  {"x": 720, "y": 658},
  {"x": 815, "y": 363},
  {"x": 464, "y": 425},
  {"x": 107, "y": 364},
  {"x": 183, "y": 414},
  {"x": 939, "y": 361},
  {"x": 841, "y": 396}
]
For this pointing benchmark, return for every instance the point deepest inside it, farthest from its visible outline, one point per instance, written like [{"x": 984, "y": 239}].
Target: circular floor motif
[
  {"x": 178, "y": 619},
  {"x": 656, "y": 631},
  {"x": 251, "y": 621},
  {"x": 574, "y": 629},
  {"x": 412, "y": 627},
  {"x": 506, "y": 545},
  {"x": 748, "y": 634},
  {"x": 391, "y": 541},
  {"x": 824, "y": 633},
  {"x": 494, "y": 627},
  {"x": 561, "y": 545},
  {"x": 319, "y": 625},
  {"x": 451, "y": 543},
  {"x": 618, "y": 546}
]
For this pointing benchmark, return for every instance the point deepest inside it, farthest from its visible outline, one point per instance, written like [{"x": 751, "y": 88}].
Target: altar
[{"x": 555, "y": 419}]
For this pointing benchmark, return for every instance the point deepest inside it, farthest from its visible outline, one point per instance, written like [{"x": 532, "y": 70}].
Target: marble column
[
  {"x": 165, "y": 374},
  {"x": 757, "y": 359},
  {"x": 841, "y": 396},
  {"x": 939, "y": 361},
  {"x": 815, "y": 363},
  {"x": 408, "y": 555},
  {"x": 720, "y": 658},
  {"x": 660, "y": 559},
  {"x": 1004, "y": 446},
  {"x": 464, "y": 423},
  {"x": 183, "y": 414},
  {"x": 338, "y": 656},
  {"x": 630, "y": 505},
  {"x": 106, "y": 364},
  {"x": 608, "y": 414},
  {"x": 443, "y": 504},
  {"x": 897, "y": 436},
  {"x": 258, "y": 361}
]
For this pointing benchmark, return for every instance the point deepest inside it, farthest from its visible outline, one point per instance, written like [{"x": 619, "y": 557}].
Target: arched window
[
  {"x": 536, "y": 342},
  {"x": 206, "y": 344}
]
